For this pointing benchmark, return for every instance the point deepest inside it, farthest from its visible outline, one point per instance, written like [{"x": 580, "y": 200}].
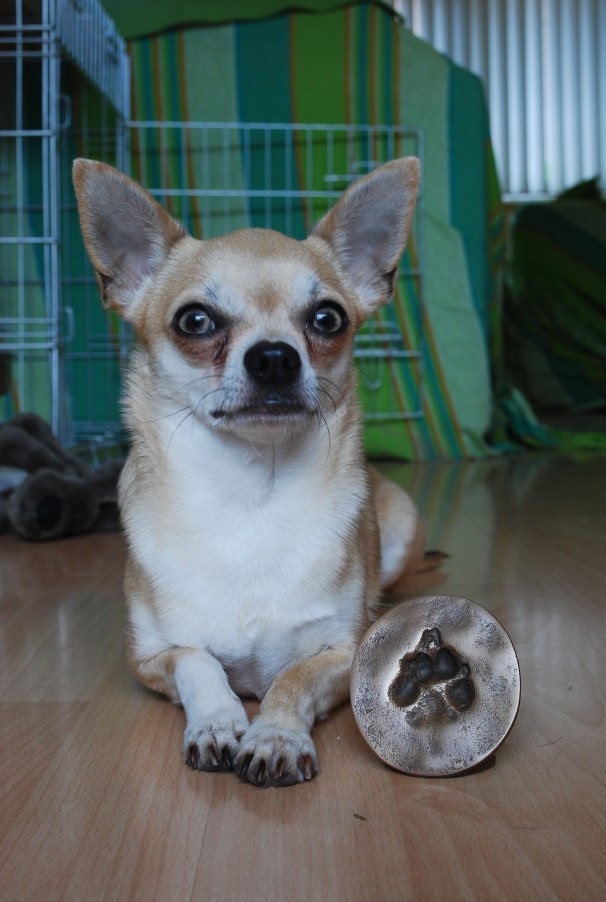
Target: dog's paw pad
[
  {"x": 213, "y": 748},
  {"x": 434, "y": 682},
  {"x": 271, "y": 756}
]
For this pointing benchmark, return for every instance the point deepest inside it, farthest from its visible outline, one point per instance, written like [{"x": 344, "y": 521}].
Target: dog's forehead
[{"x": 259, "y": 265}]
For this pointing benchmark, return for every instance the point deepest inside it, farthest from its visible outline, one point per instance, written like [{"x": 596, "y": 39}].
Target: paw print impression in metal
[
  {"x": 433, "y": 683},
  {"x": 435, "y": 686}
]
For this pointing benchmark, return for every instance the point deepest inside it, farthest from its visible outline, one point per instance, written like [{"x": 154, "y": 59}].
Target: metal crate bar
[{"x": 36, "y": 62}]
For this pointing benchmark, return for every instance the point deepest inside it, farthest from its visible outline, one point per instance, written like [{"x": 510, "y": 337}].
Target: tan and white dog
[{"x": 260, "y": 542}]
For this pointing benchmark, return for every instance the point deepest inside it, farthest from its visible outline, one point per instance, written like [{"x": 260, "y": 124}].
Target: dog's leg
[
  {"x": 401, "y": 531},
  {"x": 216, "y": 719},
  {"x": 277, "y": 749},
  {"x": 192, "y": 677}
]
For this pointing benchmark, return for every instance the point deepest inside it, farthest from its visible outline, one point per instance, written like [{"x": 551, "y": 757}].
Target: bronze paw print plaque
[{"x": 435, "y": 686}]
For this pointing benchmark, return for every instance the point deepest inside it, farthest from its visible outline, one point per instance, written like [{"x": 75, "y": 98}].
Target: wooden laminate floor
[{"x": 95, "y": 803}]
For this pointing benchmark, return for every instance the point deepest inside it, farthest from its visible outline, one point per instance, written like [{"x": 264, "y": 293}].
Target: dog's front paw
[
  {"x": 273, "y": 756},
  {"x": 213, "y": 746}
]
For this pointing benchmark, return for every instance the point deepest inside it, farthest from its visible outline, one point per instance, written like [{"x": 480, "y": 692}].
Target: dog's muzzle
[{"x": 274, "y": 369}]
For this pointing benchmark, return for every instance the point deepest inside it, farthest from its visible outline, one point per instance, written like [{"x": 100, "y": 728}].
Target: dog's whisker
[
  {"x": 333, "y": 385},
  {"x": 138, "y": 367},
  {"x": 167, "y": 416},
  {"x": 320, "y": 414},
  {"x": 330, "y": 398},
  {"x": 174, "y": 432},
  {"x": 271, "y": 463},
  {"x": 203, "y": 378},
  {"x": 204, "y": 398}
]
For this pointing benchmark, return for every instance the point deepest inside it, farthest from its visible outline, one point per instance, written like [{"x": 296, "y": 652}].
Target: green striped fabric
[
  {"x": 144, "y": 17},
  {"x": 352, "y": 65}
]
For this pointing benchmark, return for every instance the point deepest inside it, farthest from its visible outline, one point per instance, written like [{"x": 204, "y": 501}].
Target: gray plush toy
[{"x": 52, "y": 493}]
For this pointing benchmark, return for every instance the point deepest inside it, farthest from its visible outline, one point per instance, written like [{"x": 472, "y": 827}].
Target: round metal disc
[{"x": 435, "y": 686}]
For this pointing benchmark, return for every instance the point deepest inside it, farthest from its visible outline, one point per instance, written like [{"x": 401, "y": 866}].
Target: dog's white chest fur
[{"x": 248, "y": 558}]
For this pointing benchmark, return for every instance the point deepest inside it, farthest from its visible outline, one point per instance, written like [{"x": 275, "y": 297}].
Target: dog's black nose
[{"x": 273, "y": 363}]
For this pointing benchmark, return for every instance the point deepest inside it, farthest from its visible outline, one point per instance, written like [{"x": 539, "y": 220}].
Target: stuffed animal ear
[
  {"x": 126, "y": 232},
  {"x": 368, "y": 228}
]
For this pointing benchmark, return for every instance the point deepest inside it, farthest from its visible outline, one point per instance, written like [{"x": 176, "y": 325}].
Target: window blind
[{"x": 543, "y": 64}]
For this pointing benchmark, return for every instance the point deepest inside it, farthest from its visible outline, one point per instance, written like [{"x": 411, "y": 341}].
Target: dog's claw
[
  {"x": 242, "y": 767},
  {"x": 209, "y": 758},
  {"x": 307, "y": 766},
  {"x": 279, "y": 769},
  {"x": 192, "y": 757},
  {"x": 213, "y": 747},
  {"x": 275, "y": 757}
]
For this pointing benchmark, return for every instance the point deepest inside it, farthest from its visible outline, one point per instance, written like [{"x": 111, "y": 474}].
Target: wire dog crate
[
  {"x": 65, "y": 92},
  {"x": 65, "y": 79},
  {"x": 217, "y": 177}
]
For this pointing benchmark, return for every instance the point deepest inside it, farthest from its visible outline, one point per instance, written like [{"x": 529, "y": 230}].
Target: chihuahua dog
[{"x": 260, "y": 542}]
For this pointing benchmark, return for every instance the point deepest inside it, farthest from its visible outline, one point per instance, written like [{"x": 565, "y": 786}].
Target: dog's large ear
[
  {"x": 126, "y": 232},
  {"x": 368, "y": 228}
]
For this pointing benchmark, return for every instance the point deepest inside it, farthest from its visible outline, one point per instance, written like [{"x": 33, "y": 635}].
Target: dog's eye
[
  {"x": 194, "y": 320},
  {"x": 329, "y": 318}
]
